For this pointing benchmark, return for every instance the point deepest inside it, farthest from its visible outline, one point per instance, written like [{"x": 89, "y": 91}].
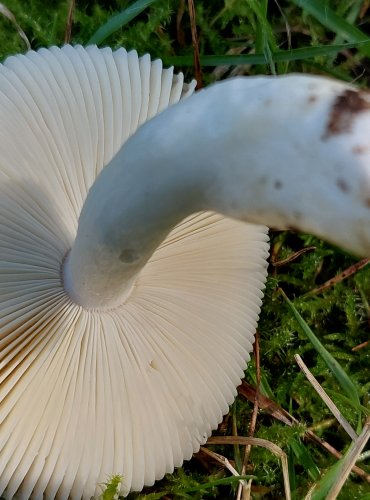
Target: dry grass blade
[
  {"x": 243, "y": 493},
  {"x": 249, "y": 392},
  {"x": 292, "y": 257},
  {"x": 341, "y": 276},
  {"x": 194, "y": 37},
  {"x": 68, "y": 31},
  {"x": 9, "y": 15},
  {"x": 179, "y": 30},
  {"x": 247, "y": 491},
  {"x": 350, "y": 459},
  {"x": 327, "y": 400},
  {"x": 224, "y": 461},
  {"x": 264, "y": 403},
  {"x": 252, "y": 441}
]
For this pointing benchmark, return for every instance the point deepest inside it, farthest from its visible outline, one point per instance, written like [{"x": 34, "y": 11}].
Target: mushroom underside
[{"x": 133, "y": 390}]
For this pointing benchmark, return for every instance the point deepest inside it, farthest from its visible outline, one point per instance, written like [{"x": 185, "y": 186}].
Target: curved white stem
[{"x": 286, "y": 152}]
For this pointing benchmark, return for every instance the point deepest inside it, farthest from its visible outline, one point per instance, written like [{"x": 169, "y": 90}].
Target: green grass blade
[
  {"x": 199, "y": 488},
  {"x": 265, "y": 39},
  {"x": 264, "y": 387},
  {"x": 361, "y": 409},
  {"x": 215, "y": 483},
  {"x": 335, "y": 477},
  {"x": 351, "y": 16},
  {"x": 328, "y": 18},
  {"x": 279, "y": 56},
  {"x": 116, "y": 22},
  {"x": 322, "y": 488},
  {"x": 342, "y": 378},
  {"x": 304, "y": 458},
  {"x": 292, "y": 474}
]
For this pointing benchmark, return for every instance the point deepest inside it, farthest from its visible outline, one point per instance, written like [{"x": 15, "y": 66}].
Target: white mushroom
[{"x": 121, "y": 347}]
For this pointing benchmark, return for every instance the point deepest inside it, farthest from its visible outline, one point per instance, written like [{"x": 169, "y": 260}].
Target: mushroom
[{"x": 132, "y": 260}]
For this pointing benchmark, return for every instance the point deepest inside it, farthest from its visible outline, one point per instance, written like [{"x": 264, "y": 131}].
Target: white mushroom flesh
[{"x": 136, "y": 388}]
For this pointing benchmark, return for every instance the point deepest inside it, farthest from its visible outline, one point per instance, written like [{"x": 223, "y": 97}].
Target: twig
[
  {"x": 360, "y": 346},
  {"x": 179, "y": 30},
  {"x": 327, "y": 400},
  {"x": 194, "y": 37},
  {"x": 68, "y": 30},
  {"x": 291, "y": 257},
  {"x": 341, "y": 276}
]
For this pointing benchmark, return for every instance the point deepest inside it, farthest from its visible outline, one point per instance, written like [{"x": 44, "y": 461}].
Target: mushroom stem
[{"x": 291, "y": 151}]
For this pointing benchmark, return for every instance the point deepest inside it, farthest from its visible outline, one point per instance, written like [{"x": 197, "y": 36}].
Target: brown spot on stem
[
  {"x": 359, "y": 150},
  {"x": 312, "y": 98},
  {"x": 345, "y": 108}
]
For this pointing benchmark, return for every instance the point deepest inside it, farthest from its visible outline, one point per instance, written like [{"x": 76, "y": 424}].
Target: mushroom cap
[{"x": 137, "y": 389}]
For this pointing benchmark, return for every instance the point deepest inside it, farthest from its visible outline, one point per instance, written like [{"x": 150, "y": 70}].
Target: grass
[{"x": 260, "y": 37}]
